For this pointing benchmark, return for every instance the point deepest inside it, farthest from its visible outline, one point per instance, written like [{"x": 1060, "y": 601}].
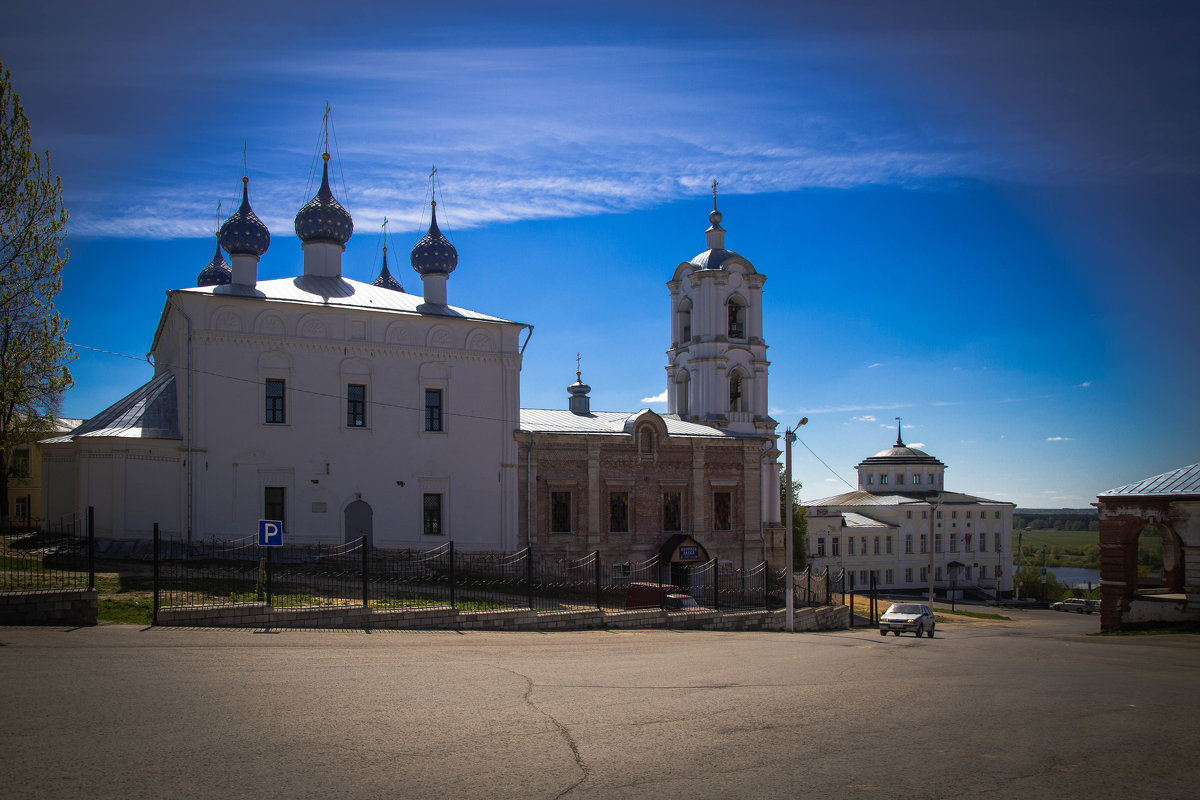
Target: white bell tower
[{"x": 717, "y": 364}]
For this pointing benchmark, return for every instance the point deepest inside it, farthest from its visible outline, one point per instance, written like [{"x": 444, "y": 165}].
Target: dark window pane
[
  {"x": 432, "y": 513},
  {"x": 275, "y": 401},
  {"x": 433, "y": 409},
  {"x": 273, "y": 503},
  {"x": 560, "y": 512},
  {"x": 671, "y": 514},
  {"x": 618, "y": 512},
  {"x": 356, "y": 406},
  {"x": 722, "y": 511}
]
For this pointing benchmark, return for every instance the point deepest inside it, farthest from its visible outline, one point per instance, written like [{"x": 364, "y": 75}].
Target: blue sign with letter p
[{"x": 270, "y": 533}]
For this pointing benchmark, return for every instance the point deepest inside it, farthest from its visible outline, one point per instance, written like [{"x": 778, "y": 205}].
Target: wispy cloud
[
  {"x": 873, "y": 366},
  {"x": 658, "y": 398},
  {"x": 1059, "y": 439},
  {"x": 864, "y": 418},
  {"x": 1083, "y": 385}
]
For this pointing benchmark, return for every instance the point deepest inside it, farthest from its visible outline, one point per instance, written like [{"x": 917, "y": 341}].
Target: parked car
[
  {"x": 901, "y": 617},
  {"x": 1077, "y": 604},
  {"x": 681, "y": 602},
  {"x": 649, "y": 595}
]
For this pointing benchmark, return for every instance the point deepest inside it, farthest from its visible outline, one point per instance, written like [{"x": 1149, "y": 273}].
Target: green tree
[
  {"x": 799, "y": 522},
  {"x": 33, "y": 225}
]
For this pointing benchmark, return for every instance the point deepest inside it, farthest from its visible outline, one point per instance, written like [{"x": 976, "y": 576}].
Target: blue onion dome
[
  {"x": 385, "y": 279},
  {"x": 323, "y": 219},
  {"x": 244, "y": 234},
  {"x": 434, "y": 253},
  {"x": 217, "y": 273}
]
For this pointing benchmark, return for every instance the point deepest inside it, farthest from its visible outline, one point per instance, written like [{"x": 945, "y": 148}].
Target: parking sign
[{"x": 270, "y": 533}]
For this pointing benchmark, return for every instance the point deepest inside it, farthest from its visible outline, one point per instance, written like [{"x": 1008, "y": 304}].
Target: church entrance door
[{"x": 358, "y": 518}]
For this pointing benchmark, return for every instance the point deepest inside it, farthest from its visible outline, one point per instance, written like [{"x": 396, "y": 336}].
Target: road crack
[{"x": 562, "y": 729}]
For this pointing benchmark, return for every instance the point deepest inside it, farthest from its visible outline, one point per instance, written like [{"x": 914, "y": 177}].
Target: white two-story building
[{"x": 884, "y": 526}]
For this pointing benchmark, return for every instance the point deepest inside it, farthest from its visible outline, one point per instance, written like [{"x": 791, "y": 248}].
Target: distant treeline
[{"x": 1063, "y": 519}]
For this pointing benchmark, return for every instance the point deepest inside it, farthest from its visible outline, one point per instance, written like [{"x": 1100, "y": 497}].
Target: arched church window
[
  {"x": 646, "y": 441},
  {"x": 737, "y": 318},
  {"x": 685, "y": 322},
  {"x": 735, "y": 392},
  {"x": 681, "y": 396}
]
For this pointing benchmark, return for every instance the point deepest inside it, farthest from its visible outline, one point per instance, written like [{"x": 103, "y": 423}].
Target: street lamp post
[
  {"x": 789, "y": 546},
  {"x": 933, "y": 510}
]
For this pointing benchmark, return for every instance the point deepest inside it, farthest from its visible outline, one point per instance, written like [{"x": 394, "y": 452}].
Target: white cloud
[
  {"x": 864, "y": 418},
  {"x": 873, "y": 366},
  {"x": 658, "y": 398},
  {"x": 1059, "y": 439},
  {"x": 916, "y": 444},
  {"x": 1083, "y": 385}
]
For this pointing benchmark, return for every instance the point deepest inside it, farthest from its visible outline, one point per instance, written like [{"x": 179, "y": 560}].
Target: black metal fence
[{"x": 313, "y": 575}]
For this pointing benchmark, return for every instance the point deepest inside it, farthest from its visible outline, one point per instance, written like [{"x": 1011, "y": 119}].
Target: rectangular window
[
  {"x": 953, "y": 515},
  {"x": 433, "y": 410},
  {"x": 900, "y": 479},
  {"x": 672, "y": 511},
  {"x": 910, "y": 515},
  {"x": 983, "y": 542},
  {"x": 968, "y": 515},
  {"x": 939, "y": 516},
  {"x": 888, "y": 577},
  {"x": 908, "y": 543},
  {"x": 19, "y": 462},
  {"x": 622, "y": 571},
  {"x": 864, "y": 546},
  {"x": 870, "y": 480},
  {"x": 889, "y": 545},
  {"x": 837, "y": 549},
  {"x": 924, "y": 543},
  {"x": 917, "y": 478},
  {"x": 273, "y": 503},
  {"x": 908, "y": 575},
  {"x": 356, "y": 406},
  {"x": 883, "y": 480},
  {"x": 431, "y": 508},
  {"x": 21, "y": 509},
  {"x": 276, "y": 411},
  {"x": 937, "y": 543},
  {"x": 954, "y": 543},
  {"x": 997, "y": 515},
  {"x": 931, "y": 479},
  {"x": 560, "y": 512},
  {"x": 820, "y": 547},
  {"x": 618, "y": 512},
  {"x": 937, "y": 574},
  {"x": 876, "y": 545},
  {"x": 997, "y": 543},
  {"x": 722, "y": 511},
  {"x": 967, "y": 573},
  {"x": 924, "y": 515},
  {"x": 862, "y": 578}
]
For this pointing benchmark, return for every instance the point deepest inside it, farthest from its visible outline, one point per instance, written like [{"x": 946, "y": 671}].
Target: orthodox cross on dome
[
  {"x": 433, "y": 184},
  {"x": 899, "y": 441},
  {"x": 578, "y": 368},
  {"x": 714, "y": 188}
]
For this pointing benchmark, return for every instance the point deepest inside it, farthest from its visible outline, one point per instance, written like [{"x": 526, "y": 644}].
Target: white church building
[{"x": 348, "y": 409}]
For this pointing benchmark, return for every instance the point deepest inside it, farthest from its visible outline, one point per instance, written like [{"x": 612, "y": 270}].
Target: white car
[{"x": 901, "y": 617}]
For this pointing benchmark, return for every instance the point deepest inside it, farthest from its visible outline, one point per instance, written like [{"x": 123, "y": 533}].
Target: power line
[{"x": 818, "y": 458}]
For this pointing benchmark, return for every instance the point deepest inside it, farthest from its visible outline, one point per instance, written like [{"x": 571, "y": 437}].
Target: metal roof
[
  {"x": 150, "y": 412},
  {"x": 859, "y": 497},
  {"x": 854, "y": 520},
  {"x": 1182, "y": 481},
  {"x": 611, "y": 422},
  {"x": 340, "y": 293}
]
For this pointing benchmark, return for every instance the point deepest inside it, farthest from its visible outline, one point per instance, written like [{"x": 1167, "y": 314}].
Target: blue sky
[{"x": 978, "y": 217}]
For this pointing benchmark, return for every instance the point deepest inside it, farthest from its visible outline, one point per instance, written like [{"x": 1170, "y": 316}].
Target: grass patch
[
  {"x": 972, "y": 614},
  {"x": 136, "y": 609}
]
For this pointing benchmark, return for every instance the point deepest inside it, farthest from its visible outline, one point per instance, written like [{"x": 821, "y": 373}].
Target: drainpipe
[
  {"x": 529, "y": 493},
  {"x": 190, "y": 423}
]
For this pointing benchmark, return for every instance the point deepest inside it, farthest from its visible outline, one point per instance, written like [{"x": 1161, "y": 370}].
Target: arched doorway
[
  {"x": 358, "y": 518},
  {"x": 680, "y": 552}
]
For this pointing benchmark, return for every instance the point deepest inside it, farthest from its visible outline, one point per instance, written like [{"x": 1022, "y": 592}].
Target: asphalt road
[{"x": 1031, "y": 708}]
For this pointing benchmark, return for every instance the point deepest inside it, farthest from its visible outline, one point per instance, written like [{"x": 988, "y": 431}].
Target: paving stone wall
[{"x": 49, "y": 607}]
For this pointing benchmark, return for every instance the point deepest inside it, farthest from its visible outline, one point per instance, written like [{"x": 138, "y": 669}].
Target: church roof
[
  {"x": 1182, "y": 481},
  {"x": 338, "y": 293},
  {"x": 858, "y": 497},
  {"x": 612, "y": 423},
  {"x": 149, "y": 412}
]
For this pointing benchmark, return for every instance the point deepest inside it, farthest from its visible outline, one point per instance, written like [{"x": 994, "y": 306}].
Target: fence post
[
  {"x": 269, "y": 593},
  {"x": 852, "y": 598},
  {"x": 366, "y": 584},
  {"x": 452, "y": 604},
  {"x": 154, "y": 618},
  {"x": 596, "y": 553},
  {"x": 91, "y": 534},
  {"x": 808, "y": 585},
  {"x": 529, "y": 575},
  {"x": 716, "y": 585},
  {"x": 662, "y": 592}
]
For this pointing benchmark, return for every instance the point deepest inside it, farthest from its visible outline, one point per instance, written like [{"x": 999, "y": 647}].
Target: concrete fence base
[
  {"x": 49, "y": 607},
  {"x": 259, "y": 615}
]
